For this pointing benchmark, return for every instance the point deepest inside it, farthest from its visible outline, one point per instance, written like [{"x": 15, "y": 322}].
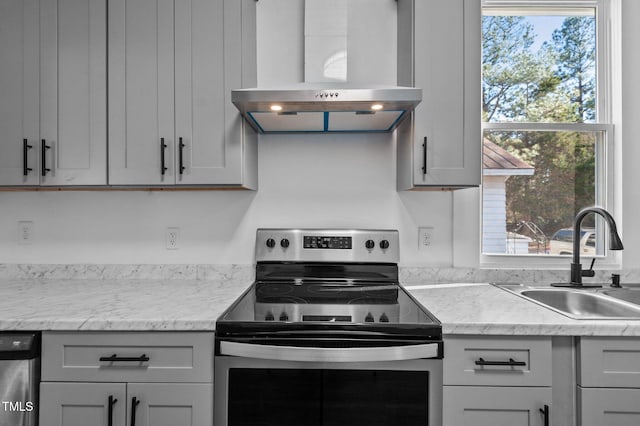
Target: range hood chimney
[{"x": 326, "y": 108}]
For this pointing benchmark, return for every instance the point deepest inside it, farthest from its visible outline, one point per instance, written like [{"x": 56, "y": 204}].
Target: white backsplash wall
[
  {"x": 304, "y": 180},
  {"x": 310, "y": 181}
]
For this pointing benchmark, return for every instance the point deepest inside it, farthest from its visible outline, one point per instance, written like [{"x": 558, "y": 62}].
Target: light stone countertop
[
  {"x": 194, "y": 305},
  {"x": 123, "y": 305},
  {"x": 484, "y": 309}
]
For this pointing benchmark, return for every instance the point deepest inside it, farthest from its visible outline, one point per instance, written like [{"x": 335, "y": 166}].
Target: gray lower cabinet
[
  {"x": 160, "y": 379},
  {"x": 53, "y": 96},
  {"x": 497, "y": 380},
  {"x": 491, "y": 406},
  {"x": 172, "y": 65},
  {"x": 609, "y": 381},
  {"x": 609, "y": 407},
  {"x": 439, "y": 44},
  {"x": 74, "y": 404},
  {"x": 160, "y": 404}
]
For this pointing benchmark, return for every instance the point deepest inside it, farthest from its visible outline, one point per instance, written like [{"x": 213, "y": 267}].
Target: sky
[{"x": 544, "y": 26}]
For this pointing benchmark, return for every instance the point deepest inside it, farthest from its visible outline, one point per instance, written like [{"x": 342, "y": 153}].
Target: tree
[
  {"x": 554, "y": 84},
  {"x": 515, "y": 79},
  {"x": 575, "y": 46}
]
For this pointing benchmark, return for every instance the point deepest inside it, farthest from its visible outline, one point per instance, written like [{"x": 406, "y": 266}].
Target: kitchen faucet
[{"x": 615, "y": 243}]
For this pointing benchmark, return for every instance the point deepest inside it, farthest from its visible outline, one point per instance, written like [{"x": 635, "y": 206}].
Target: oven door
[{"x": 288, "y": 385}]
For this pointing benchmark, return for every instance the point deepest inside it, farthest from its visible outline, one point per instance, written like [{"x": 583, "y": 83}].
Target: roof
[{"x": 498, "y": 161}]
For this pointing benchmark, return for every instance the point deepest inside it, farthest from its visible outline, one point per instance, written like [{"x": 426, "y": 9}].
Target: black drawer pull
[
  {"x": 163, "y": 147},
  {"x": 115, "y": 357},
  {"x": 545, "y": 414},
  {"x": 43, "y": 157},
  {"x": 181, "y": 147},
  {"x": 112, "y": 401},
  {"x": 424, "y": 156},
  {"x": 510, "y": 363},
  {"x": 134, "y": 405},
  {"x": 25, "y": 160}
]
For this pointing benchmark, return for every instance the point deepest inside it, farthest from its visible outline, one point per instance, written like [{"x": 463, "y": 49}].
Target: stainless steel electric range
[{"x": 327, "y": 336}]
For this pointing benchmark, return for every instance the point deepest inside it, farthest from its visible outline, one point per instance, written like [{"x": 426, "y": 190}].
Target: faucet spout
[{"x": 615, "y": 243}]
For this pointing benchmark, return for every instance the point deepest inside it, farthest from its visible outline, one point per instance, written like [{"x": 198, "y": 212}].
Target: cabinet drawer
[
  {"x": 479, "y": 406},
  {"x": 115, "y": 357},
  {"x": 497, "y": 361},
  {"x": 609, "y": 362},
  {"x": 597, "y": 407}
]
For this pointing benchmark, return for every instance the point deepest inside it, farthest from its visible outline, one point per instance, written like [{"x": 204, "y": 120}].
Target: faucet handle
[
  {"x": 615, "y": 280},
  {"x": 590, "y": 272}
]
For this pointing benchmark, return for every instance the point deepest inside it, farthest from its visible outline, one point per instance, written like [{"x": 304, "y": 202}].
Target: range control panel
[
  {"x": 357, "y": 313},
  {"x": 327, "y": 245}
]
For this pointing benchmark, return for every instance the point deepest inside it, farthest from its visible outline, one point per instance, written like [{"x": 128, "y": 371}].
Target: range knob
[
  {"x": 284, "y": 243},
  {"x": 271, "y": 243},
  {"x": 269, "y": 316},
  {"x": 370, "y": 244},
  {"x": 384, "y": 244},
  {"x": 369, "y": 318},
  {"x": 384, "y": 318},
  {"x": 284, "y": 316}
]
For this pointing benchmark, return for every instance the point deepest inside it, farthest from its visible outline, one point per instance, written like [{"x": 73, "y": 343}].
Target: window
[{"x": 547, "y": 137}]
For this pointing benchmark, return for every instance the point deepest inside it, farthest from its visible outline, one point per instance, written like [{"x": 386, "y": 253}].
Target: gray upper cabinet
[
  {"x": 172, "y": 65},
  {"x": 53, "y": 92},
  {"x": 439, "y": 44}
]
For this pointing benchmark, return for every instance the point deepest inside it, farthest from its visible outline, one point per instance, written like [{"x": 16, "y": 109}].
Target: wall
[
  {"x": 305, "y": 180},
  {"x": 628, "y": 128}
]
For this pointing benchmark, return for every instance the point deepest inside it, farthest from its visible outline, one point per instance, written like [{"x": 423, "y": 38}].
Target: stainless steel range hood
[{"x": 325, "y": 109}]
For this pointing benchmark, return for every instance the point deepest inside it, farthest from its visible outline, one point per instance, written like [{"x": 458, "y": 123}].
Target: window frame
[{"x": 605, "y": 165}]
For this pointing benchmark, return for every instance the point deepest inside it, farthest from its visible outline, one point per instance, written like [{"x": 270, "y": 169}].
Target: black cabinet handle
[
  {"x": 134, "y": 404},
  {"x": 181, "y": 145},
  {"x": 25, "y": 157},
  {"x": 545, "y": 414},
  {"x": 510, "y": 363},
  {"x": 163, "y": 147},
  {"x": 115, "y": 357},
  {"x": 43, "y": 160},
  {"x": 424, "y": 156},
  {"x": 112, "y": 401}
]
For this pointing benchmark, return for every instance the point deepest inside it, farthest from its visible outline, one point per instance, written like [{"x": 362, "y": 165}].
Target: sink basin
[
  {"x": 605, "y": 304},
  {"x": 626, "y": 294},
  {"x": 578, "y": 304}
]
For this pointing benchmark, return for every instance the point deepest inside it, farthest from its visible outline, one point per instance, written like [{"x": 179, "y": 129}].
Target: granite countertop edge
[{"x": 194, "y": 305}]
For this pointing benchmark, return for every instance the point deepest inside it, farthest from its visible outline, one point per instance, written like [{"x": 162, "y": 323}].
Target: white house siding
[{"x": 494, "y": 226}]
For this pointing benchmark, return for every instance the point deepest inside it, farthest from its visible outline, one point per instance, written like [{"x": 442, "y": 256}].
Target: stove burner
[
  {"x": 325, "y": 289},
  {"x": 282, "y": 299},
  {"x": 273, "y": 290},
  {"x": 369, "y": 300}
]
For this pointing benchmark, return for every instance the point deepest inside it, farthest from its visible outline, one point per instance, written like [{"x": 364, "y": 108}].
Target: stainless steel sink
[
  {"x": 631, "y": 295},
  {"x": 584, "y": 304}
]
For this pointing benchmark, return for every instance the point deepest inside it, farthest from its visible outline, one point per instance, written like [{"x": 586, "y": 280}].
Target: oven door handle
[{"x": 315, "y": 354}]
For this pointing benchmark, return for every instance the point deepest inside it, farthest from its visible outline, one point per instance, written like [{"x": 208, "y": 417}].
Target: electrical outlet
[
  {"x": 425, "y": 238},
  {"x": 172, "y": 236},
  {"x": 25, "y": 232}
]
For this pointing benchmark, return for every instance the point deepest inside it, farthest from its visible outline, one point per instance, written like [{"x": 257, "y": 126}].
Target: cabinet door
[
  {"x": 213, "y": 55},
  {"x": 81, "y": 404},
  {"x": 443, "y": 147},
  {"x": 610, "y": 407},
  {"x": 73, "y": 87},
  {"x": 494, "y": 406},
  {"x": 141, "y": 87},
  {"x": 171, "y": 404},
  {"x": 19, "y": 68}
]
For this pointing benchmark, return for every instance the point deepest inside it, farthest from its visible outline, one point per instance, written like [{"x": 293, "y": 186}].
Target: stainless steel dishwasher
[{"x": 19, "y": 378}]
